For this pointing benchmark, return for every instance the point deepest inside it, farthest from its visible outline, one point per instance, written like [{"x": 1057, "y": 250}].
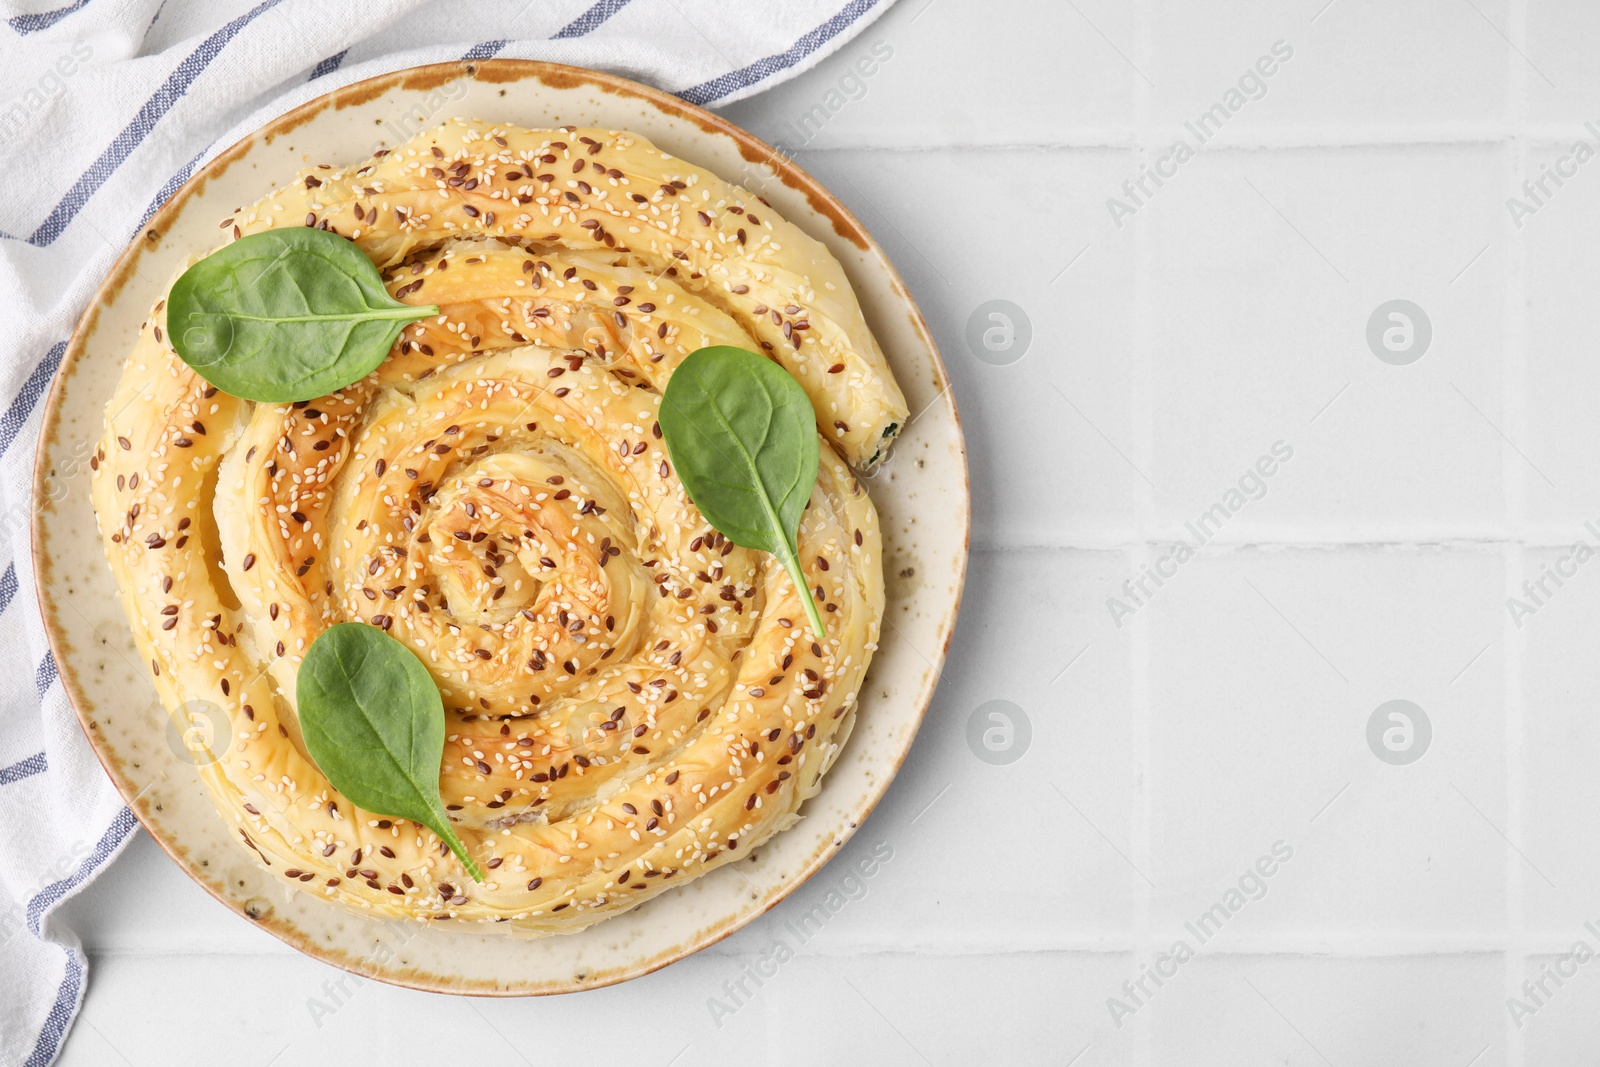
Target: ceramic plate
[{"x": 921, "y": 495}]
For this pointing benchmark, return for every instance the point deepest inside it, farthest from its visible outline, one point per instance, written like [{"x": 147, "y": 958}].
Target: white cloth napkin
[{"x": 116, "y": 103}]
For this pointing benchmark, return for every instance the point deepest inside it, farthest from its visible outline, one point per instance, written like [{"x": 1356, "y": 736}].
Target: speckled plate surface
[{"x": 921, "y": 494}]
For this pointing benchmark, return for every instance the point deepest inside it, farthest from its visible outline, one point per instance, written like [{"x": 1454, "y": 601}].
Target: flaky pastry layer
[{"x": 631, "y": 699}]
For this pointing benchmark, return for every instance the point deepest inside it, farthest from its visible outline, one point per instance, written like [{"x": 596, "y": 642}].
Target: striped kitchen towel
[{"x": 112, "y": 105}]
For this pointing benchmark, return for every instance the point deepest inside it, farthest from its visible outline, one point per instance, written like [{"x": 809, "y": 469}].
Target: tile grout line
[
  {"x": 1549, "y": 134},
  {"x": 1126, "y": 541},
  {"x": 1143, "y": 419},
  {"x": 1515, "y": 483},
  {"x": 1269, "y": 946}
]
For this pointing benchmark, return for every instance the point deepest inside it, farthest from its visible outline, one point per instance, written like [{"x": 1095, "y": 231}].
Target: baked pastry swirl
[{"x": 631, "y": 699}]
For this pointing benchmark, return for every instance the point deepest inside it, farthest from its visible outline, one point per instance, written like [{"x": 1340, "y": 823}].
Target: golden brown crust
[{"x": 630, "y": 699}]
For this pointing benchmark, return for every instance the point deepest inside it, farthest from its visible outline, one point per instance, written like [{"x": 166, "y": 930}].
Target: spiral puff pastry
[{"x": 631, "y": 699}]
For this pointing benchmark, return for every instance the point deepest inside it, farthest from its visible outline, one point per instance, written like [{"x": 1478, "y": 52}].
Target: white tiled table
[{"x": 1227, "y": 715}]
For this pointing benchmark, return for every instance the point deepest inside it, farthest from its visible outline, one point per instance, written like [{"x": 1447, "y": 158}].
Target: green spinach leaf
[
  {"x": 285, "y": 315},
  {"x": 373, "y": 721},
  {"x": 743, "y": 437}
]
